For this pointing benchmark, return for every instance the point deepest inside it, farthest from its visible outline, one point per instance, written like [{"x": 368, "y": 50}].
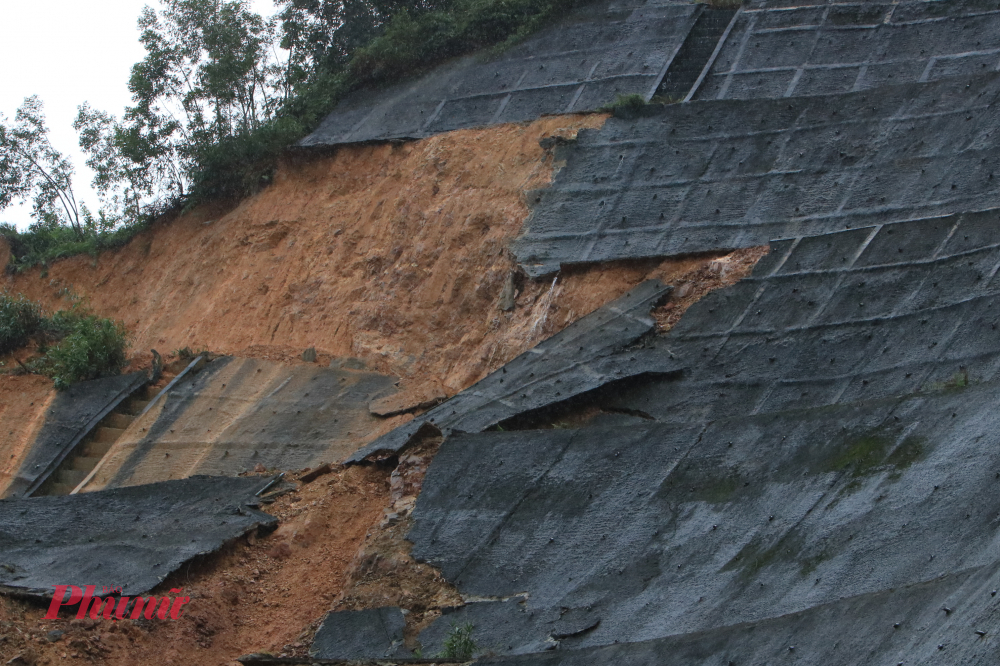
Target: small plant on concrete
[
  {"x": 458, "y": 645},
  {"x": 633, "y": 103}
]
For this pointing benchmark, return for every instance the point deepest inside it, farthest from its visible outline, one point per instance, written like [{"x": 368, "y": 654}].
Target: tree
[
  {"x": 322, "y": 35},
  {"x": 32, "y": 169},
  {"x": 209, "y": 74},
  {"x": 123, "y": 176}
]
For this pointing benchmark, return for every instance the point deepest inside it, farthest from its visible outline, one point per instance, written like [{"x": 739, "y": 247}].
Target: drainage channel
[
  {"x": 696, "y": 53},
  {"x": 79, "y": 466}
]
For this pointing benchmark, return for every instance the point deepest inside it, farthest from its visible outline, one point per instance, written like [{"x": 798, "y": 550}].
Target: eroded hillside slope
[{"x": 395, "y": 253}]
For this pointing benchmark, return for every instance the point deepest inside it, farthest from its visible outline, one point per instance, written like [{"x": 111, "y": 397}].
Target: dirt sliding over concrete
[
  {"x": 396, "y": 254},
  {"x": 393, "y": 253}
]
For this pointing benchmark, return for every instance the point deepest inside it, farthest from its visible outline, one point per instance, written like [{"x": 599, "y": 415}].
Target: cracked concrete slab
[{"x": 128, "y": 537}]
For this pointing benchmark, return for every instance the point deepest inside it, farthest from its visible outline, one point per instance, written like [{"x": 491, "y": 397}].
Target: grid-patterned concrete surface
[{"x": 782, "y": 49}]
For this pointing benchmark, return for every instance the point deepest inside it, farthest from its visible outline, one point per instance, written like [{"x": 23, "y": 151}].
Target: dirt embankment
[
  {"x": 23, "y": 403},
  {"x": 395, "y": 253}
]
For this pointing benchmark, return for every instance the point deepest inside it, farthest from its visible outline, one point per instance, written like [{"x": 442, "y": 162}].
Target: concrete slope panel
[
  {"x": 709, "y": 176},
  {"x": 781, "y": 49},
  {"x": 237, "y": 413},
  {"x": 579, "y": 64},
  {"x": 845, "y": 317},
  {"x": 632, "y": 534},
  {"x": 74, "y": 413},
  {"x": 128, "y": 537}
]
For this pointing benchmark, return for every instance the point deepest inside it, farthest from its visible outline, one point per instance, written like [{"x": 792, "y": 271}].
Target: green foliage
[
  {"x": 213, "y": 108},
  {"x": 862, "y": 455},
  {"x": 337, "y": 47},
  {"x": 32, "y": 169},
  {"x": 873, "y": 453},
  {"x": 41, "y": 244},
  {"x": 959, "y": 380},
  {"x": 75, "y": 344},
  {"x": 630, "y": 103},
  {"x": 458, "y": 644},
  {"x": 19, "y": 320},
  {"x": 91, "y": 347}
]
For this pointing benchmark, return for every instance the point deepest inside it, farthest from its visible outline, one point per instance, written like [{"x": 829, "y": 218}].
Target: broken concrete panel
[
  {"x": 580, "y": 63},
  {"x": 672, "y": 529},
  {"x": 407, "y": 400},
  {"x": 238, "y": 413},
  {"x": 129, "y": 537},
  {"x": 853, "y": 315},
  {"x": 74, "y": 413},
  {"x": 494, "y": 624},
  {"x": 774, "y": 50},
  {"x": 709, "y": 176},
  {"x": 587, "y": 354},
  {"x": 775, "y": 485},
  {"x": 375, "y": 633}
]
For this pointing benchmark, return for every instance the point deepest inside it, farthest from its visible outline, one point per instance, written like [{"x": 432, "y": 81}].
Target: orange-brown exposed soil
[
  {"x": 395, "y": 253},
  {"x": 259, "y": 594},
  {"x": 23, "y": 402}
]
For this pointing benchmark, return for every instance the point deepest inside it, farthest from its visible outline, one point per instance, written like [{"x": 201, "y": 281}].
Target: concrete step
[
  {"x": 53, "y": 488},
  {"x": 105, "y": 434},
  {"x": 118, "y": 420},
  {"x": 93, "y": 449},
  {"x": 133, "y": 406},
  {"x": 70, "y": 477},
  {"x": 84, "y": 463}
]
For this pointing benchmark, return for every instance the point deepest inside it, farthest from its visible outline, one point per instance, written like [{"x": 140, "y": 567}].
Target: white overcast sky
[{"x": 68, "y": 52}]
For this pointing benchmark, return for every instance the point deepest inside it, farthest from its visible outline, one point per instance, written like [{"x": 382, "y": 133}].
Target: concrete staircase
[
  {"x": 92, "y": 448},
  {"x": 695, "y": 53}
]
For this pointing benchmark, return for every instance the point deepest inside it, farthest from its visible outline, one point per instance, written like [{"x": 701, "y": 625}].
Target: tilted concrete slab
[
  {"x": 237, "y": 413},
  {"x": 131, "y": 538},
  {"x": 585, "y": 355}
]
